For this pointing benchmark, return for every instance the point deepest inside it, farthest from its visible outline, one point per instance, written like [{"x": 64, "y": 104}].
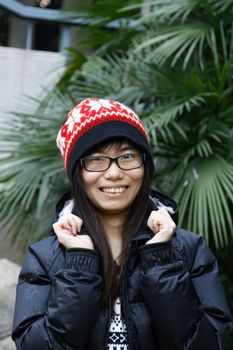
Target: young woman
[{"x": 116, "y": 274}]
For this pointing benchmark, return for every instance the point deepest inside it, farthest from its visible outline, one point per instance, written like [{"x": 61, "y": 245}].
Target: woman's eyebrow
[
  {"x": 121, "y": 148},
  {"x": 127, "y": 148}
]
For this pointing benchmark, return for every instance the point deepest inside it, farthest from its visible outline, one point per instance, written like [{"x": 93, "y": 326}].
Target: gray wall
[
  {"x": 23, "y": 73},
  {"x": 26, "y": 73}
]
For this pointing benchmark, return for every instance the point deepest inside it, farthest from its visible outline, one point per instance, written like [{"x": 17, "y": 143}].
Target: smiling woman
[
  {"x": 116, "y": 274},
  {"x": 113, "y": 189}
]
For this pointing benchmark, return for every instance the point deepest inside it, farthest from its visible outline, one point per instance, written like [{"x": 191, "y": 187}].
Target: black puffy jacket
[{"x": 171, "y": 299}]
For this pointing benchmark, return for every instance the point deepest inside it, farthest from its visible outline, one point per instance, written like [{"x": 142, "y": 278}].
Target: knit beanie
[{"x": 94, "y": 121}]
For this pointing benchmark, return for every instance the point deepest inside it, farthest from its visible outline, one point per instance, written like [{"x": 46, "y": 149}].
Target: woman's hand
[
  {"x": 66, "y": 230},
  {"x": 161, "y": 223}
]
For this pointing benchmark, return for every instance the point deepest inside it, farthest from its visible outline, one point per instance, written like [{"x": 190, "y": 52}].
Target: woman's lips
[{"x": 119, "y": 189}]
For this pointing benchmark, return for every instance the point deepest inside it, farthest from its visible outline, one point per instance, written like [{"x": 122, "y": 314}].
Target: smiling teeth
[{"x": 114, "y": 190}]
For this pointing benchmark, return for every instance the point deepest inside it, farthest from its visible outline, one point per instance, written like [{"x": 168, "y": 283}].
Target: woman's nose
[{"x": 113, "y": 171}]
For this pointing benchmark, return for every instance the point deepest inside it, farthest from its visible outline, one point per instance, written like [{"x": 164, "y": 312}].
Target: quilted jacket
[{"x": 171, "y": 296}]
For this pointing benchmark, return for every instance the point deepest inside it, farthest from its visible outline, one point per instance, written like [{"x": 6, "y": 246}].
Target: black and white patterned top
[{"x": 117, "y": 339}]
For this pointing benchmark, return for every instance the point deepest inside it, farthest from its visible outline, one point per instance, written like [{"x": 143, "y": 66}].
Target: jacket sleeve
[
  {"x": 184, "y": 296},
  {"x": 57, "y": 312}
]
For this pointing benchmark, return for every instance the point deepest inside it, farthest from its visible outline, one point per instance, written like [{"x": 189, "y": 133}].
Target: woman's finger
[
  {"x": 73, "y": 221},
  {"x": 161, "y": 221},
  {"x": 66, "y": 226},
  {"x": 153, "y": 221},
  {"x": 59, "y": 229},
  {"x": 78, "y": 222}
]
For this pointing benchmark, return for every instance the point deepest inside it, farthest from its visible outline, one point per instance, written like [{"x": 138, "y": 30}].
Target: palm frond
[
  {"x": 206, "y": 193},
  {"x": 165, "y": 115},
  {"x": 178, "y": 33},
  {"x": 30, "y": 167},
  {"x": 175, "y": 43},
  {"x": 222, "y": 5}
]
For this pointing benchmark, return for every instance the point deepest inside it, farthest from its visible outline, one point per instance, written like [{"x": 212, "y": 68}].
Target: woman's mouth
[{"x": 113, "y": 189}]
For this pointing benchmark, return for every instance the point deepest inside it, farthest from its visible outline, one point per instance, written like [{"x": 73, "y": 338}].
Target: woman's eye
[
  {"x": 127, "y": 157},
  {"x": 96, "y": 160}
]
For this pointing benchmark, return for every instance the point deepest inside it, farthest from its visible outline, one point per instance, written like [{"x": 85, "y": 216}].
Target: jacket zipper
[
  {"x": 131, "y": 336},
  {"x": 109, "y": 323}
]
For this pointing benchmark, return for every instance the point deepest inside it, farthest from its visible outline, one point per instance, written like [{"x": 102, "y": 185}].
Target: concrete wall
[
  {"x": 22, "y": 73},
  {"x": 8, "y": 279},
  {"x": 26, "y": 73}
]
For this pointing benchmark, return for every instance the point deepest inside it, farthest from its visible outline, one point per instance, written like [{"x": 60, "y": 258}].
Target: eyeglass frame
[{"x": 112, "y": 160}]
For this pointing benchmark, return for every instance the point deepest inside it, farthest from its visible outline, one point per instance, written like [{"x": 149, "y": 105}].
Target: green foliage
[
  {"x": 108, "y": 28},
  {"x": 174, "y": 67},
  {"x": 32, "y": 174}
]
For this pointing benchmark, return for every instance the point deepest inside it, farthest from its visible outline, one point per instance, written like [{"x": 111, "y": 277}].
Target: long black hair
[{"x": 136, "y": 214}]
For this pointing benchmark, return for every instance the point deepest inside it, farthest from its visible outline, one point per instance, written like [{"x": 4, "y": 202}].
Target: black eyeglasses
[{"x": 127, "y": 161}]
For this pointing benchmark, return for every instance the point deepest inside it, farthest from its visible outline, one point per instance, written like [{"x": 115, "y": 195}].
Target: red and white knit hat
[{"x": 94, "y": 121}]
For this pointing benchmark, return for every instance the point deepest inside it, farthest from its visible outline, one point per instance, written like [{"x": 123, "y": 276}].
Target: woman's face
[{"x": 112, "y": 191}]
